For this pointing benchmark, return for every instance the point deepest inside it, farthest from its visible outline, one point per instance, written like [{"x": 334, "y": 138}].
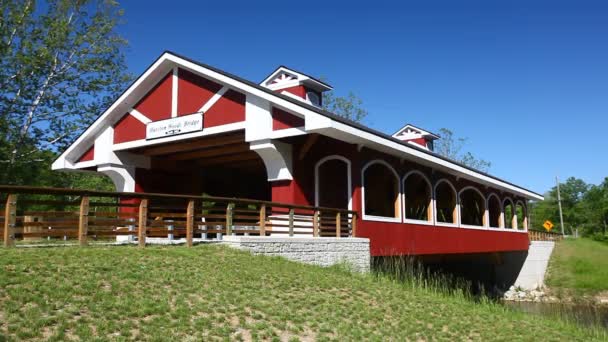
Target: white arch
[
  {"x": 456, "y": 210},
  {"x": 431, "y": 214},
  {"x": 399, "y": 192},
  {"x": 524, "y": 210},
  {"x": 513, "y": 218},
  {"x": 349, "y": 178},
  {"x": 484, "y": 217},
  {"x": 501, "y": 223}
]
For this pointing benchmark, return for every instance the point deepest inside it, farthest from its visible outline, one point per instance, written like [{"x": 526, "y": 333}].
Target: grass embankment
[
  {"x": 579, "y": 267},
  {"x": 213, "y": 292}
]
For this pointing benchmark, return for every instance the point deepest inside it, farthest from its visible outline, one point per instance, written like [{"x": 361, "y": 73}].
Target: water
[{"x": 583, "y": 314}]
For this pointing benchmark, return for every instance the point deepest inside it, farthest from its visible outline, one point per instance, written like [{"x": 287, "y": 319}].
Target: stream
[{"x": 583, "y": 314}]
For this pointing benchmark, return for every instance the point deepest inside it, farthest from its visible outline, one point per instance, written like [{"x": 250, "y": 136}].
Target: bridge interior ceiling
[{"x": 221, "y": 165}]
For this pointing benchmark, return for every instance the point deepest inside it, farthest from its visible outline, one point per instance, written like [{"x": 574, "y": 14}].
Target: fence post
[
  {"x": 353, "y": 225},
  {"x": 229, "y": 214},
  {"x": 10, "y": 218},
  {"x": 291, "y": 212},
  {"x": 263, "y": 220},
  {"x": 143, "y": 222},
  {"x": 338, "y": 224},
  {"x": 189, "y": 223},
  {"x": 83, "y": 221},
  {"x": 315, "y": 224}
]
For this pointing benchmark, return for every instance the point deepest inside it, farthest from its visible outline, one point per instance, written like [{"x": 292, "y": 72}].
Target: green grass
[
  {"x": 216, "y": 293},
  {"x": 579, "y": 265}
]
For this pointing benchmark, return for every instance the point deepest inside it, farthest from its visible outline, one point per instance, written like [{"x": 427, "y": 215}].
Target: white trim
[
  {"x": 315, "y": 122},
  {"x": 139, "y": 116},
  {"x": 85, "y": 164},
  {"x": 287, "y": 132},
  {"x": 213, "y": 100},
  {"x": 448, "y": 225},
  {"x": 483, "y": 217},
  {"x": 357, "y": 136},
  {"x": 174, "y": 98},
  {"x": 420, "y": 222},
  {"x": 431, "y": 217},
  {"x": 300, "y": 78},
  {"x": 349, "y": 178},
  {"x": 456, "y": 210},
  {"x": 277, "y": 158},
  {"x": 206, "y": 131},
  {"x": 380, "y": 218}
]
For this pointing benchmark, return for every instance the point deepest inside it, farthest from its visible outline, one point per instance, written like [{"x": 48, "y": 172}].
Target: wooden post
[
  {"x": 338, "y": 224},
  {"x": 189, "y": 223},
  {"x": 229, "y": 214},
  {"x": 83, "y": 221},
  {"x": 315, "y": 224},
  {"x": 291, "y": 222},
  {"x": 143, "y": 222},
  {"x": 353, "y": 225},
  {"x": 10, "y": 219},
  {"x": 263, "y": 220}
]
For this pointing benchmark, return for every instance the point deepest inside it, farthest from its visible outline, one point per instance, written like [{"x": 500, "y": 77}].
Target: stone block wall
[{"x": 321, "y": 251}]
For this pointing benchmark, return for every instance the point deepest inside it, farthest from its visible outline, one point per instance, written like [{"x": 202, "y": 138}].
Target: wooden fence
[
  {"x": 54, "y": 213},
  {"x": 539, "y": 235}
]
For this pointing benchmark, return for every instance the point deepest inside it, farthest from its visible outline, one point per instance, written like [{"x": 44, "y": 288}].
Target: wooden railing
[
  {"x": 54, "y": 213},
  {"x": 539, "y": 235}
]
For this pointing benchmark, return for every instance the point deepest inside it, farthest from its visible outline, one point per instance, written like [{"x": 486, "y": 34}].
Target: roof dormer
[
  {"x": 296, "y": 84},
  {"x": 416, "y": 135}
]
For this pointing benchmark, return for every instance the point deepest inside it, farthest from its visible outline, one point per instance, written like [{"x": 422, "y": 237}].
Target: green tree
[
  {"x": 349, "y": 107},
  {"x": 61, "y": 64},
  {"x": 451, "y": 147}
]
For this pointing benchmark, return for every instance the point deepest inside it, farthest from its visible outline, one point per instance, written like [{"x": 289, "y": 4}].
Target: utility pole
[{"x": 559, "y": 203}]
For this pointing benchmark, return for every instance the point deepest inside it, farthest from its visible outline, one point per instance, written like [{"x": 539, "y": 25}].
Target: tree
[
  {"x": 61, "y": 64},
  {"x": 349, "y": 107},
  {"x": 584, "y": 206},
  {"x": 451, "y": 147}
]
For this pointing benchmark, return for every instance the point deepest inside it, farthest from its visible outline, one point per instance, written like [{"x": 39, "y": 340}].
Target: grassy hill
[
  {"x": 579, "y": 266},
  {"x": 213, "y": 292}
]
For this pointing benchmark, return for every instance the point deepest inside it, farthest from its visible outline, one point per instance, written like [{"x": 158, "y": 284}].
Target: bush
[{"x": 600, "y": 237}]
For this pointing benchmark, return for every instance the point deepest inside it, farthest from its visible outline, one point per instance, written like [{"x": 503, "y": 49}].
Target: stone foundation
[{"x": 321, "y": 251}]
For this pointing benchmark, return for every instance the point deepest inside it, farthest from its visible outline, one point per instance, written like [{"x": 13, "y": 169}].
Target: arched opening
[
  {"x": 445, "y": 202},
  {"x": 380, "y": 190},
  {"x": 509, "y": 212},
  {"x": 418, "y": 199},
  {"x": 494, "y": 212},
  {"x": 472, "y": 207},
  {"x": 333, "y": 183},
  {"x": 522, "y": 217}
]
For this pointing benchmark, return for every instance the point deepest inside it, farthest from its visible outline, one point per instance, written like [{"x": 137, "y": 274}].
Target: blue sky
[{"x": 525, "y": 81}]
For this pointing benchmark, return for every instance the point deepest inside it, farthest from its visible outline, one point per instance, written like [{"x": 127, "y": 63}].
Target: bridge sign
[
  {"x": 174, "y": 126},
  {"x": 548, "y": 225}
]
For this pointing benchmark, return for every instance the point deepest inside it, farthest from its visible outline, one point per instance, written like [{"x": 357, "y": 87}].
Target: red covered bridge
[{"x": 188, "y": 128}]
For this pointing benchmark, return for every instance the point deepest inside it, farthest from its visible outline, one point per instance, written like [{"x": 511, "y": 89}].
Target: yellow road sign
[{"x": 548, "y": 225}]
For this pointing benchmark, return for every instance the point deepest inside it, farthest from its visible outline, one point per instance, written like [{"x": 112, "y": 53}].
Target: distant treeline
[{"x": 584, "y": 206}]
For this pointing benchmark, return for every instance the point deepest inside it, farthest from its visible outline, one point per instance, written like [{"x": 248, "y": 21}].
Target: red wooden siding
[
  {"x": 156, "y": 105},
  {"x": 88, "y": 155},
  {"x": 230, "y": 108},
  {"x": 128, "y": 128},
  {"x": 282, "y": 120},
  {"x": 193, "y": 92},
  {"x": 297, "y": 90}
]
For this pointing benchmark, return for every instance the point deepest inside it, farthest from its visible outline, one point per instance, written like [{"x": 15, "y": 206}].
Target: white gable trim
[
  {"x": 139, "y": 116},
  {"x": 314, "y": 122},
  {"x": 216, "y": 97}
]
